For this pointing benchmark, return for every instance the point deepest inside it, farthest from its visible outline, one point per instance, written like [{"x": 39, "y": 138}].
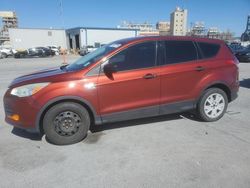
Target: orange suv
[{"x": 126, "y": 79}]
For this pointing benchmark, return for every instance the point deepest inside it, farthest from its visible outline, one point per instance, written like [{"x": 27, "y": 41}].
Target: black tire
[
  {"x": 4, "y": 55},
  {"x": 60, "y": 133},
  {"x": 203, "y": 99},
  {"x": 41, "y": 55},
  {"x": 17, "y": 56}
]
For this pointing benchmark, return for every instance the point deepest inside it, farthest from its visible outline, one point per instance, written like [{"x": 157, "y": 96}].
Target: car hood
[{"x": 46, "y": 75}]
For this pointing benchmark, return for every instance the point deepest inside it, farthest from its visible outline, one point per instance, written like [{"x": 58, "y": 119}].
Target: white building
[
  {"x": 23, "y": 38},
  {"x": 178, "y": 22},
  {"x": 163, "y": 27},
  {"x": 75, "y": 38},
  {"x": 95, "y": 36},
  {"x": 213, "y": 32},
  {"x": 144, "y": 29},
  {"x": 198, "y": 29}
]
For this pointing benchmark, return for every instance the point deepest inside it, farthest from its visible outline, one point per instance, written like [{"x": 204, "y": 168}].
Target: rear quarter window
[{"x": 208, "y": 50}]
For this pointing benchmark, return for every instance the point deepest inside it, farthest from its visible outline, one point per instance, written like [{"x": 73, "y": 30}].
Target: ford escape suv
[{"x": 126, "y": 79}]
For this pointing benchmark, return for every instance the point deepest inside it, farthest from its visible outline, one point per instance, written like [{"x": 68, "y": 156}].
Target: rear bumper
[
  {"x": 234, "y": 91},
  {"x": 234, "y": 95}
]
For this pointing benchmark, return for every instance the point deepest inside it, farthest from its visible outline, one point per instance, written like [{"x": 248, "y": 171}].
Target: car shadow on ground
[
  {"x": 245, "y": 83},
  {"x": 143, "y": 121},
  {"x": 25, "y": 134},
  {"x": 96, "y": 130}
]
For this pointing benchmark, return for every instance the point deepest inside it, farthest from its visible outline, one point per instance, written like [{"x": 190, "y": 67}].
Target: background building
[
  {"x": 213, "y": 32},
  {"x": 227, "y": 36},
  {"x": 75, "y": 38},
  {"x": 198, "y": 29},
  {"x": 246, "y": 35},
  {"x": 23, "y": 38},
  {"x": 163, "y": 27},
  {"x": 146, "y": 26},
  {"x": 93, "y": 36},
  {"x": 9, "y": 20},
  {"x": 144, "y": 29},
  {"x": 178, "y": 22}
]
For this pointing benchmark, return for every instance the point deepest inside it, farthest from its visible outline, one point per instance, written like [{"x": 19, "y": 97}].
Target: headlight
[{"x": 28, "y": 90}]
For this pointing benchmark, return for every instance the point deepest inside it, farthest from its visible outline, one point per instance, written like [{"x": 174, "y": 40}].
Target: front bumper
[{"x": 26, "y": 108}]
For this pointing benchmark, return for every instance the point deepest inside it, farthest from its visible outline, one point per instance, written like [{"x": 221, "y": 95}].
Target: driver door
[{"x": 133, "y": 89}]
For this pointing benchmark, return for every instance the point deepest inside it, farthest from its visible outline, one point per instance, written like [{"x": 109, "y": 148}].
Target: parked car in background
[
  {"x": 244, "y": 55},
  {"x": 55, "y": 49},
  {"x": 83, "y": 51},
  {"x": 6, "y": 52},
  {"x": 40, "y": 51},
  {"x": 87, "y": 49},
  {"x": 127, "y": 79},
  {"x": 90, "y": 49},
  {"x": 1, "y": 55},
  {"x": 236, "y": 48},
  {"x": 248, "y": 47},
  {"x": 35, "y": 52},
  {"x": 20, "y": 53}
]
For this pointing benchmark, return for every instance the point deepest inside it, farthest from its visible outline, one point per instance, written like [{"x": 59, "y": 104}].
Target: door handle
[
  {"x": 149, "y": 76},
  {"x": 200, "y": 68}
]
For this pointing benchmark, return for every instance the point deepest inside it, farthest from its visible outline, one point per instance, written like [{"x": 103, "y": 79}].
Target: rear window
[{"x": 208, "y": 50}]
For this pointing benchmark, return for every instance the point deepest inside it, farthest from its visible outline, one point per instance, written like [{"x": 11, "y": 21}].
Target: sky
[{"x": 223, "y": 14}]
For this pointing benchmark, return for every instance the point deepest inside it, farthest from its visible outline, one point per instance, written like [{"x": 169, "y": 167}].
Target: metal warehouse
[
  {"x": 23, "y": 38},
  {"x": 75, "y": 38},
  {"x": 93, "y": 36}
]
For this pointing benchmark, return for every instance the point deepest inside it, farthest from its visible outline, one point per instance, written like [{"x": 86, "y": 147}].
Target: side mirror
[{"x": 108, "y": 70}]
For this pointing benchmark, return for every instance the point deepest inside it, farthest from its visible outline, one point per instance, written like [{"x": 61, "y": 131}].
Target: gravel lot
[{"x": 169, "y": 151}]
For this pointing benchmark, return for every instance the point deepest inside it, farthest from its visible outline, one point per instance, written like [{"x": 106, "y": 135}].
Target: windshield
[{"x": 92, "y": 57}]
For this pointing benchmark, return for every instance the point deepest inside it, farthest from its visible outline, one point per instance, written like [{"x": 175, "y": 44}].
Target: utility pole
[
  {"x": 61, "y": 13},
  {"x": 63, "y": 27}
]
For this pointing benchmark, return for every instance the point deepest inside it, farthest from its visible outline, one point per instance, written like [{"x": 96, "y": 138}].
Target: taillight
[{"x": 236, "y": 61}]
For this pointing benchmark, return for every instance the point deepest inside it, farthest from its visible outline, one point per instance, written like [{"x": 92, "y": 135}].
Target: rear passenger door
[{"x": 180, "y": 73}]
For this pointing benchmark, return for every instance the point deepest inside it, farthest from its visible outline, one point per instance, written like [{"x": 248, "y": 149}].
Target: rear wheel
[
  {"x": 66, "y": 123},
  {"x": 212, "y": 105}
]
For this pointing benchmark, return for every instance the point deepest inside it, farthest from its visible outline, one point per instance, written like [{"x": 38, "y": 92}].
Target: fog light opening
[{"x": 14, "y": 117}]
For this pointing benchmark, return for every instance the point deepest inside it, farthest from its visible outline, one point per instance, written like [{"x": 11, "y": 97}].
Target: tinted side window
[
  {"x": 135, "y": 57},
  {"x": 180, "y": 51},
  {"x": 208, "y": 50}
]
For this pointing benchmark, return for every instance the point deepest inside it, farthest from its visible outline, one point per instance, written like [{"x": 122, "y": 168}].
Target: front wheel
[
  {"x": 212, "y": 105},
  {"x": 66, "y": 123}
]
